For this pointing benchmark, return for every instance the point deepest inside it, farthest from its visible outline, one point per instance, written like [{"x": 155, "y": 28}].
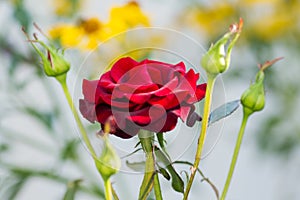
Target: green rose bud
[
  {"x": 53, "y": 60},
  {"x": 109, "y": 162},
  {"x": 54, "y": 64},
  {"x": 253, "y": 99},
  {"x": 217, "y": 58}
]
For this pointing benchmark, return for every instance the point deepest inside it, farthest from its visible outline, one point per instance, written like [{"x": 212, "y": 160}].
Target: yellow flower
[
  {"x": 67, "y": 35},
  {"x": 272, "y": 27},
  {"x": 125, "y": 17},
  {"x": 93, "y": 32},
  {"x": 88, "y": 33},
  {"x": 253, "y": 2},
  {"x": 275, "y": 24},
  {"x": 66, "y": 7},
  {"x": 211, "y": 20},
  {"x": 267, "y": 20}
]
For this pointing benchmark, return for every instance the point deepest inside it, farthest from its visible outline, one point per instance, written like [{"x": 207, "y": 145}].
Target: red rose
[{"x": 147, "y": 95}]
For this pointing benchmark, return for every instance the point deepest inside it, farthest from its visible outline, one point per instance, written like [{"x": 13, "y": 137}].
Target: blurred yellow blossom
[
  {"x": 267, "y": 20},
  {"x": 125, "y": 17},
  {"x": 210, "y": 20},
  {"x": 278, "y": 22},
  {"x": 67, "y": 35},
  {"x": 88, "y": 33},
  {"x": 66, "y": 7}
]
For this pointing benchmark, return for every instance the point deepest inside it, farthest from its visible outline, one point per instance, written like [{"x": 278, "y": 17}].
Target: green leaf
[
  {"x": 165, "y": 173},
  {"x": 137, "y": 144},
  {"x": 70, "y": 150},
  {"x": 3, "y": 147},
  {"x": 45, "y": 118},
  {"x": 223, "y": 111},
  {"x": 161, "y": 141},
  {"x": 21, "y": 14},
  {"x": 13, "y": 190},
  {"x": 136, "y": 166},
  {"x": 72, "y": 188},
  {"x": 177, "y": 182},
  {"x": 131, "y": 153}
]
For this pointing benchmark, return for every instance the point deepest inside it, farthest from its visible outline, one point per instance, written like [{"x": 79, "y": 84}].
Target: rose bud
[
  {"x": 109, "y": 162},
  {"x": 217, "y": 58},
  {"x": 253, "y": 99},
  {"x": 53, "y": 60}
]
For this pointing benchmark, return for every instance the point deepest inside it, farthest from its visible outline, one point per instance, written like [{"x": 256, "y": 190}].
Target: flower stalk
[
  {"x": 201, "y": 139},
  {"x": 108, "y": 190},
  {"x": 253, "y": 100},
  {"x": 62, "y": 80},
  {"x": 150, "y": 179},
  {"x": 157, "y": 190},
  {"x": 214, "y": 62},
  {"x": 235, "y": 154},
  {"x": 55, "y": 65}
]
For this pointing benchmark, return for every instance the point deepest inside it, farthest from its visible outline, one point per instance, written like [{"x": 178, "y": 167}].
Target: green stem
[
  {"x": 108, "y": 190},
  {"x": 201, "y": 139},
  {"x": 235, "y": 155},
  {"x": 114, "y": 193},
  {"x": 62, "y": 80},
  {"x": 150, "y": 177},
  {"x": 157, "y": 190}
]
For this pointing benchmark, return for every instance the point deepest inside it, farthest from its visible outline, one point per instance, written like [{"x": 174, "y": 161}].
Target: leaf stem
[
  {"x": 235, "y": 154},
  {"x": 201, "y": 139},
  {"x": 62, "y": 80}
]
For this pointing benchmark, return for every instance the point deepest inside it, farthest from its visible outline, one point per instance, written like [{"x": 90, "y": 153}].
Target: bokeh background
[{"x": 41, "y": 156}]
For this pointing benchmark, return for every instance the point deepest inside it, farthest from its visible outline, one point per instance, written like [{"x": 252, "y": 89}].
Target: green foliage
[
  {"x": 21, "y": 14},
  {"x": 223, "y": 111},
  {"x": 177, "y": 182},
  {"x": 72, "y": 188}
]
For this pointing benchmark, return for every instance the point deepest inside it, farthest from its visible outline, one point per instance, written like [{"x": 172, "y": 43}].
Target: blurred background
[{"x": 41, "y": 156}]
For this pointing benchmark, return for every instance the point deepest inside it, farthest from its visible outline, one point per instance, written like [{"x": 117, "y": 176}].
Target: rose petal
[
  {"x": 87, "y": 110},
  {"x": 182, "y": 111},
  {"x": 193, "y": 117},
  {"x": 122, "y": 66},
  {"x": 167, "y": 124},
  {"x": 147, "y": 115},
  {"x": 89, "y": 89},
  {"x": 200, "y": 91},
  {"x": 103, "y": 112}
]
